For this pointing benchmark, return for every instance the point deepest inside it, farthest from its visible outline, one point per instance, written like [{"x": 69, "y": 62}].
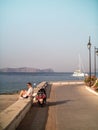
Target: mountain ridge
[{"x": 25, "y": 69}]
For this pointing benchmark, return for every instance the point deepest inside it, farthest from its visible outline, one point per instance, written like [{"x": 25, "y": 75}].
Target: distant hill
[{"x": 25, "y": 69}]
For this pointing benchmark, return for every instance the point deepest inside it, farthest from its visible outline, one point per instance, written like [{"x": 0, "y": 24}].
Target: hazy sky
[{"x": 47, "y": 33}]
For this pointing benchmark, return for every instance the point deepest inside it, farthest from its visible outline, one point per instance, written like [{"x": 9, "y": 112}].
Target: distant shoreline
[
  {"x": 26, "y": 69},
  {"x": 35, "y": 72}
]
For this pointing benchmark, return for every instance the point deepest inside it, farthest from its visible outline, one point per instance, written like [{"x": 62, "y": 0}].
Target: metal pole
[
  {"x": 90, "y": 64},
  {"x": 95, "y": 61},
  {"x": 89, "y": 47}
]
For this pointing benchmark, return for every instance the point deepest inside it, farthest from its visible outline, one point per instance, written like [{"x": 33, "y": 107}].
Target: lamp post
[
  {"x": 95, "y": 53},
  {"x": 89, "y": 47}
]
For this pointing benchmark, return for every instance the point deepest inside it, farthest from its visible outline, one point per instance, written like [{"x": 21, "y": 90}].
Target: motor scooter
[{"x": 41, "y": 98}]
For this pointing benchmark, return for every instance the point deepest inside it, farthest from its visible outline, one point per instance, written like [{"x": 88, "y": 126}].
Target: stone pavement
[
  {"x": 6, "y": 100},
  {"x": 69, "y": 107},
  {"x": 75, "y": 109}
]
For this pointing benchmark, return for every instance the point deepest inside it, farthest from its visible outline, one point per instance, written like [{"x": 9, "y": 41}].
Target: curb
[{"x": 90, "y": 90}]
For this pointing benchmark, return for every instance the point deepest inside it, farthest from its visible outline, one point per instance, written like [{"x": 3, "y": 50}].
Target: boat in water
[{"x": 78, "y": 73}]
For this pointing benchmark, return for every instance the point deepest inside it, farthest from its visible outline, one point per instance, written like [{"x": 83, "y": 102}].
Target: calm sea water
[{"x": 13, "y": 82}]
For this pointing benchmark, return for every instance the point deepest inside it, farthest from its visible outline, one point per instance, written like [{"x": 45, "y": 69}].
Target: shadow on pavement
[{"x": 58, "y": 102}]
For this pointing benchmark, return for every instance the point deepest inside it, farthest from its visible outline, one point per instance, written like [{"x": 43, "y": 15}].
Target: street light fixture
[
  {"x": 89, "y": 47},
  {"x": 95, "y": 53}
]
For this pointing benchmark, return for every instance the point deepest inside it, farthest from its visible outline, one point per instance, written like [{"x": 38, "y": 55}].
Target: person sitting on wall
[{"x": 26, "y": 93}]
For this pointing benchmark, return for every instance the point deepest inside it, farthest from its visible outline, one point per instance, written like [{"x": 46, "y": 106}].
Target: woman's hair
[{"x": 29, "y": 83}]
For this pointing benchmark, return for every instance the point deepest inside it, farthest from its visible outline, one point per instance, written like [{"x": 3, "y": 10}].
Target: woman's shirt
[{"x": 30, "y": 92}]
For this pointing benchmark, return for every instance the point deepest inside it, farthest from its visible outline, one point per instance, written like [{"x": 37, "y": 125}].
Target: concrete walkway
[
  {"x": 70, "y": 107},
  {"x": 6, "y": 100}
]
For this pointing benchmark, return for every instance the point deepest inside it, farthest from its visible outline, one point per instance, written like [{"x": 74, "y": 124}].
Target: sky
[{"x": 48, "y": 33}]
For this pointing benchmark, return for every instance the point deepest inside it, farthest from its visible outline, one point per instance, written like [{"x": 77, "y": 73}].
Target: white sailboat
[{"x": 78, "y": 72}]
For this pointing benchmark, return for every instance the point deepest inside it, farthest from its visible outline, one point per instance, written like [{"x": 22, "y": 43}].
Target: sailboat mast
[{"x": 79, "y": 63}]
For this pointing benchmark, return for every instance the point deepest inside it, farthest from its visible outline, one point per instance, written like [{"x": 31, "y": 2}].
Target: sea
[{"x": 11, "y": 82}]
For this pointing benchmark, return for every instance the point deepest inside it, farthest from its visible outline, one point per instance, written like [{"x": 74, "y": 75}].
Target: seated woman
[{"x": 28, "y": 93}]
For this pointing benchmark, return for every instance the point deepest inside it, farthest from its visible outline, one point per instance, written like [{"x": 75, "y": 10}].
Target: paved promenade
[
  {"x": 6, "y": 100},
  {"x": 69, "y": 107}
]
